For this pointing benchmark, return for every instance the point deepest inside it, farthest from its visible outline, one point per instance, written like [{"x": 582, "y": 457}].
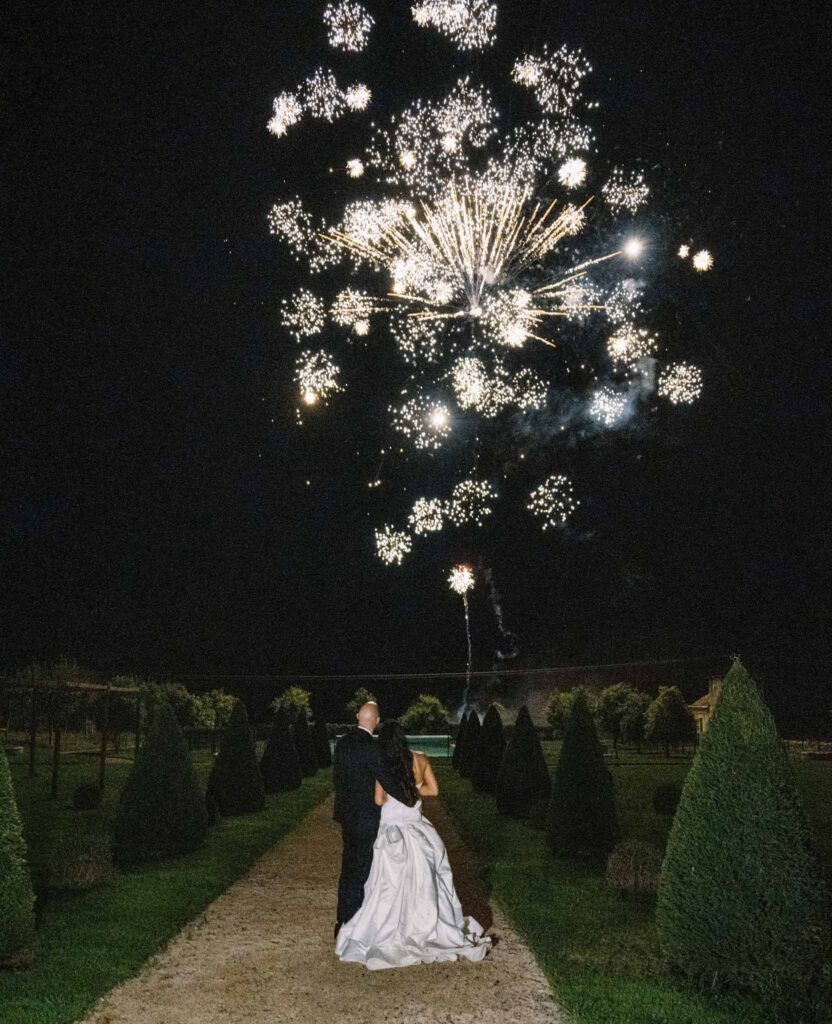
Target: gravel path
[{"x": 263, "y": 953}]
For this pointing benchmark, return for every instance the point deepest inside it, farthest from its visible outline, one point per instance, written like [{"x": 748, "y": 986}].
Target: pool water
[{"x": 432, "y": 746}]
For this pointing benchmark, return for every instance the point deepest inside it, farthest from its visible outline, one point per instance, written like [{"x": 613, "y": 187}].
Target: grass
[
  {"x": 87, "y": 942},
  {"x": 599, "y": 951}
]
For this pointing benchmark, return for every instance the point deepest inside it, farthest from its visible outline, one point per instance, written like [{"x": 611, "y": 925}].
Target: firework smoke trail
[{"x": 503, "y": 652}]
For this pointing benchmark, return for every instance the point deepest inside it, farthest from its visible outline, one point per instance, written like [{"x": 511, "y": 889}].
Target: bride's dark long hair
[{"x": 399, "y": 758}]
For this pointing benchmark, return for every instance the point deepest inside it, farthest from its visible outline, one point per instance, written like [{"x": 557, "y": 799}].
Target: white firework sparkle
[
  {"x": 474, "y": 252},
  {"x": 392, "y": 544}
]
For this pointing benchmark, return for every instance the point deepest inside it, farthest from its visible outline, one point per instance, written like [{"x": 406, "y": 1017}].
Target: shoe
[{"x": 337, "y": 929}]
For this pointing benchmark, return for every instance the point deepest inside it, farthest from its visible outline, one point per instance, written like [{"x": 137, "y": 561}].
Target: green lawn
[
  {"x": 87, "y": 942},
  {"x": 599, "y": 951}
]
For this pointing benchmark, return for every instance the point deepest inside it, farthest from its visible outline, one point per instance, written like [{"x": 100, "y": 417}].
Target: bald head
[{"x": 368, "y": 716}]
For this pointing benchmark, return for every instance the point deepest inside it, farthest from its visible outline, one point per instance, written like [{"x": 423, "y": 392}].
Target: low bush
[
  {"x": 86, "y": 797},
  {"x": 666, "y": 799},
  {"x": 633, "y": 868}
]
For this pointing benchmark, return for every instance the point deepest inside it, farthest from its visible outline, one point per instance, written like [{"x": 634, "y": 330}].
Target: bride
[{"x": 411, "y": 913}]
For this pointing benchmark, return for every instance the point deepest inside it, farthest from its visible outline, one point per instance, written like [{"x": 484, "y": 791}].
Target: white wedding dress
[{"x": 411, "y": 913}]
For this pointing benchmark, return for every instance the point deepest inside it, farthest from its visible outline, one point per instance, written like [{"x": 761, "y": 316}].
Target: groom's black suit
[{"x": 357, "y": 763}]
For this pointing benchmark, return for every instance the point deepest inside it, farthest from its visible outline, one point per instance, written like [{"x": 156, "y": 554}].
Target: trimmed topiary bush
[
  {"x": 280, "y": 764},
  {"x": 582, "y": 815},
  {"x": 490, "y": 748},
  {"x": 161, "y": 807},
  {"x": 741, "y": 902},
  {"x": 633, "y": 868},
  {"x": 305, "y": 744},
  {"x": 17, "y": 896},
  {"x": 323, "y": 751},
  {"x": 459, "y": 746},
  {"x": 666, "y": 799},
  {"x": 86, "y": 797},
  {"x": 235, "y": 781},
  {"x": 468, "y": 757},
  {"x": 523, "y": 779}
]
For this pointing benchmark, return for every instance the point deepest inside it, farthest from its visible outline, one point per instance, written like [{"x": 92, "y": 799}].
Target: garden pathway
[{"x": 263, "y": 953}]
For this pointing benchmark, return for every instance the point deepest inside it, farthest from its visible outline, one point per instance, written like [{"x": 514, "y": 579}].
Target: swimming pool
[{"x": 432, "y": 746}]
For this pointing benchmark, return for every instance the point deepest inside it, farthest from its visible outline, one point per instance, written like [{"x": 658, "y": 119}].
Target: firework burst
[{"x": 477, "y": 253}]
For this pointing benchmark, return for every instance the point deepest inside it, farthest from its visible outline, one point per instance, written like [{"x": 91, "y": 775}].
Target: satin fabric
[{"x": 411, "y": 913}]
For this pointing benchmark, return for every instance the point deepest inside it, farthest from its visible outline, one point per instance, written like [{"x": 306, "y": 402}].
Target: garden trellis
[{"x": 58, "y": 691}]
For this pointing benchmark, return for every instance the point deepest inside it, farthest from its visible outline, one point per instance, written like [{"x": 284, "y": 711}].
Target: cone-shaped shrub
[
  {"x": 17, "y": 897},
  {"x": 323, "y": 751},
  {"x": 468, "y": 757},
  {"x": 582, "y": 816},
  {"x": 235, "y": 781},
  {"x": 492, "y": 744},
  {"x": 741, "y": 903},
  {"x": 280, "y": 765},
  {"x": 305, "y": 744},
  {"x": 459, "y": 746},
  {"x": 162, "y": 811},
  {"x": 523, "y": 779}
]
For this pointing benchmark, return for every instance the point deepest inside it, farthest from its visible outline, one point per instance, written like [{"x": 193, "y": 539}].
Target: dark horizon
[{"x": 155, "y": 507}]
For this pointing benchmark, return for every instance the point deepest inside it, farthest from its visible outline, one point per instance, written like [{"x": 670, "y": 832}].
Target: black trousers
[{"x": 356, "y": 861}]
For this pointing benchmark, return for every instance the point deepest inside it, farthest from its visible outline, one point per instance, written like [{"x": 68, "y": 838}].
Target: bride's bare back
[{"x": 423, "y": 773}]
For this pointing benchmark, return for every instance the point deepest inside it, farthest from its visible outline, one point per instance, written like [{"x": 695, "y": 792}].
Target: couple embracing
[{"x": 397, "y": 904}]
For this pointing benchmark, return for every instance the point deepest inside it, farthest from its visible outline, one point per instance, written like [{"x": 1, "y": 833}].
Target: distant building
[{"x": 703, "y": 708}]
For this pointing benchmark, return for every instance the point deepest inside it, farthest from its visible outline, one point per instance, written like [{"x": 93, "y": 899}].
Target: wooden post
[
  {"x": 138, "y": 724},
  {"x": 33, "y": 728},
  {"x": 104, "y": 724},
  {"x": 56, "y": 757}
]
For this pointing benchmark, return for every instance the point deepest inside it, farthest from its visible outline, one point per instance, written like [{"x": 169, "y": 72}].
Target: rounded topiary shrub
[
  {"x": 161, "y": 809},
  {"x": 323, "y": 751},
  {"x": 459, "y": 745},
  {"x": 633, "y": 868},
  {"x": 86, "y": 797},
  {"x": 77, "y": 862},
  {"x": 741, "y": 902},
  {"x": 582, "y": 816},
  {"x": 235, "y": 781},
  {"x": 305, "y": 744},
  {"x": 17, "y": 896},
  {"x": 491, "y": 745},
  {"x": 468, "y": 757},
  {"x": 666, "y": 798},
  {"x": 280, "y": 764},
  {"x": 523, "y": 780}
]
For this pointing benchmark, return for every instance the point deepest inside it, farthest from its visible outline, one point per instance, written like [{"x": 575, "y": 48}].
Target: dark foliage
[
  {"x": 280, "y": 764},
  {"x": 305, "y": 745},
  {"x": 666, "y": 799},
  {"x": 490, "y": 749},
  {"x": 162, "y": 810},
  {"x": 582, "y": 815},
  {"x": 323, "y": 751},
  {"x": 17, "y": 895},
  {"x": 468, "y": 757},
  {"x": 86, "y": 797},
  {"x": 235, "y": 781},
  {"x": 459, "y": 746},
  {"x": 523, "y": 779}
]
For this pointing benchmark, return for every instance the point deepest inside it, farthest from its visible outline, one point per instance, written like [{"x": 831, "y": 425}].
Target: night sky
[{"x": 154, "y": 504}]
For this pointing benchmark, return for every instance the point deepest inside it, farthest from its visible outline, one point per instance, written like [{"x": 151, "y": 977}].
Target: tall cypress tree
[
  {"x": 235, "y": 782},
  {"x": 305, "y": 744},
  {"x": 582, "y": 817},
  {"x": 523, "y": 779},
  {"x": 17, "y": 896},
  {"x": 323, "y": 751},
  {"x": 162, "y": 812},
  {"x": 468, "y": 757},
  {"x": 280, "y": 765},
  {"x": 492, "y": 744},
  {"x": 459, "y": 746},
  {"x": 757, "y": 915}
]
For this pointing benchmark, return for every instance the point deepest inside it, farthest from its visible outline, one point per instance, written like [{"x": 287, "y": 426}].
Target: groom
[{"x": 357, "y": 763}]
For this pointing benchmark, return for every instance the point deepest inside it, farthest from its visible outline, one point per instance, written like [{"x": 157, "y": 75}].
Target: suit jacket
[{"x": 356, "y": 764}]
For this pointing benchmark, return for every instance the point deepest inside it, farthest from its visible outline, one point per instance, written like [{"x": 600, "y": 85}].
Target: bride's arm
[
  {"x": 429, "y": 786},
  {"x": 380, "y": 795}
]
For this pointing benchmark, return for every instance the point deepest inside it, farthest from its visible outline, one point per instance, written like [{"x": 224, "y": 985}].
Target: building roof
[{"x": 704, "y": 702}]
